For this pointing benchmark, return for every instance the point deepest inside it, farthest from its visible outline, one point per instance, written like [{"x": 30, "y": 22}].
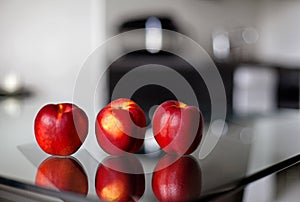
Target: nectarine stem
[{"x": 60, "y": 108}]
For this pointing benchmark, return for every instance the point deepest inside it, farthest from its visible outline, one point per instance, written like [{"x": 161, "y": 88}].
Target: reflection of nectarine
[
  {"x": 64, "y": 174},
  {"x": 120, "y": 179},
  {"x": 177, "y": 127},
  {"x": 60, "y": 129},
  {"x": 177, "y": 179},
  {"x": 121, "y": 127}
]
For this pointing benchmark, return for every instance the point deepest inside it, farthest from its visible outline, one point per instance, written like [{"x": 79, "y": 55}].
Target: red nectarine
[
  {"x": 121, "y": 127},
  {"x": 60, "y": 129},
  {"x": 177, "y": 127}
]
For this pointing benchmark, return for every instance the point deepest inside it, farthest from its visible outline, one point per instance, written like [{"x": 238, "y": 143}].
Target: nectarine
[
  {"x": 121, "y": 127},
  {"x": 60, "y": 129},
  {"x": 177, "y": 127}
]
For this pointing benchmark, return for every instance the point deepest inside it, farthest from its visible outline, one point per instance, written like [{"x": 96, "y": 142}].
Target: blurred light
[
  {"x": 221, "y": 45},
  {"x": 246, "y": 135},
  {"x": 152, "y": 110},
  {"x": 250, "y": 35},
  {"x": 11, "y": 83},
  {"x": 219, "y": 127},
  {"x": 11, "y": 107},
  {"x": 153, "y": 35},
  {"x": 150, "y": 145},
  {"x": 254, "y": 90}
]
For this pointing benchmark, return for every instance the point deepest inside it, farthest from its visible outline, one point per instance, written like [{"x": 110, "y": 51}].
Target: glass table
[{"x": 248, "y": 149}]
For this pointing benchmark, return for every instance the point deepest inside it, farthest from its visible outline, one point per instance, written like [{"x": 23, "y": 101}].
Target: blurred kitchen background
[{"x": 254, "y": 44}]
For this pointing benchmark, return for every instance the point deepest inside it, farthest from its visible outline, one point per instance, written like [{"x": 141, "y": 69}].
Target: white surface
[
  {"x": 274, "y": 138},
  {"x": 262, "y": 190}
]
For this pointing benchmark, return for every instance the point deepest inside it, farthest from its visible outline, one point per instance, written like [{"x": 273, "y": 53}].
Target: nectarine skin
[
  {"x": 177, "y": 127},
  {"x": 121, "y": 127},
  {"x": 64, "y": 174},
  {"x": 177, "y": 178},
  {"x": 60, "y": 129},
  {"x": 120, "y": 179}
]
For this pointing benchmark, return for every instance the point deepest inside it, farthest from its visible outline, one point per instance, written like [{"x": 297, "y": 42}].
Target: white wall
[
  {"x": 46, "y": 42},
  {"x": 280, "y": 30}
]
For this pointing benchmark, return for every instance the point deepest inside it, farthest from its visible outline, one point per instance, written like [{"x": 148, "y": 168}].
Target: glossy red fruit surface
[
  {"x": 120, "y": 179},
  {"x": 177, "y": 179},
  {"x": 121, "y": 127},
  {"x": 60, "y": 129},
  {"x": 177, "y": 127},
  {"x": 64, "y": 174}
]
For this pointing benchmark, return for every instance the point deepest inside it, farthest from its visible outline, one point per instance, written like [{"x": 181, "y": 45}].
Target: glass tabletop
[{"x": 248, "y": 149}]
